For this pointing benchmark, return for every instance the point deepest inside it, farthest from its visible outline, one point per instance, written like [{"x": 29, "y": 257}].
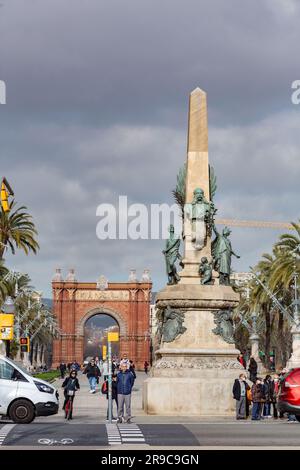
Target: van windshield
[{"x": 21, "y": 367}]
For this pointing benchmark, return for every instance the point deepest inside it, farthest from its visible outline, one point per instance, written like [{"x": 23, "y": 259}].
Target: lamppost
[{"x": 254, "y": 339}]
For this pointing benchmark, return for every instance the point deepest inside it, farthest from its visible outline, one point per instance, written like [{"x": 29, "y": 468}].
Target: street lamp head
[{"x": 9, "y": 305}]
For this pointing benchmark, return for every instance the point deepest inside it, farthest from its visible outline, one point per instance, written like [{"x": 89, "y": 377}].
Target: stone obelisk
[
  {"x": 196, "y": 360},
  {"x": 197, "y": 177}
]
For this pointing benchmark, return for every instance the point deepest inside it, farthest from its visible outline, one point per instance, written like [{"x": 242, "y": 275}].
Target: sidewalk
[{"x": 91, "y": 408}]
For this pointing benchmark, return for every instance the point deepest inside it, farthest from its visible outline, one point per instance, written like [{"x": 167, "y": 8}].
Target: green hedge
[{"x": 48, "y": 376}]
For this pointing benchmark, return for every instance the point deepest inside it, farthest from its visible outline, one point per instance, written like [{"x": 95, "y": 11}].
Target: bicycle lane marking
[
  {"x": 50, "y": 442},
  {"x": 4, "y": 431}
]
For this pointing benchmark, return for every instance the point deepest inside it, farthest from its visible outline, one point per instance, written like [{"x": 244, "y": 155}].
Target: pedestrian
[
  {"x": 239, "y": 392},
  {"x": 258, "y": 398},
  {"x": 125, "y": 381},
  {"x": 146, "y": 365},
  {"x": 268, "y": 391},
  {"x": 69, "y": 366},
  {"x": 115, "y": 366},
  {"x": 241, "y": 360},
  {"x": 132, "y": 370},
  {"x": 63, "y": 369},
  {"x": 114, "y": 395},
  {"x": 125, "y": 360},
  {"x": 70, "y": 383},
  {"x": 93, "y": 373},
  {"x": 281, "y": 379},
  {"x": 105, "y": 370},
  {"x": 252, "y": 369},
  {"x": 274, "y": 394}
]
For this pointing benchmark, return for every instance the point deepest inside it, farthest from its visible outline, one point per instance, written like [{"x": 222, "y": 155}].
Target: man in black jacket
[
  {"x": 93, "y": 373},
  {"x": 239, "y": 392}
]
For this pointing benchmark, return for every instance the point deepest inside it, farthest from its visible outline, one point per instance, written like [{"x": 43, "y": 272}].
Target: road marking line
[
  {"x": 5, "y": 430},
  {"x": 123, "y": 434},
  {"x": 127, "y": 439},
  {"x": 113, "y": 434},
  {"x": 131, "y": 434}
]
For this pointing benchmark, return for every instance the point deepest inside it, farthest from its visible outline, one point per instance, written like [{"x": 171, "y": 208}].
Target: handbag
[
  {"x": 249, "y": 395},
  {"x": 104, "y": 388}
]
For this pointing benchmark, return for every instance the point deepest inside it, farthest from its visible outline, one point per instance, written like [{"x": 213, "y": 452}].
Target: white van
[{"x": 23, "y": 397}]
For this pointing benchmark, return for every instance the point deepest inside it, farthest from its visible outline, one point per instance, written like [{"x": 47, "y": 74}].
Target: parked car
[
  {"x": 289, "y": 396},
  {"x": 23, "y": 397}
]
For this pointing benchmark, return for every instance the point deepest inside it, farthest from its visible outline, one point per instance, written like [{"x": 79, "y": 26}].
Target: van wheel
[
  {"x": 298, "y": 418},
  {"x": 22, "y": 412}
]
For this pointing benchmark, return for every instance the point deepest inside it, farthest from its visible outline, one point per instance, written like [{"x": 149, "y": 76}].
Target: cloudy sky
[{"x": 97, "y": 97}]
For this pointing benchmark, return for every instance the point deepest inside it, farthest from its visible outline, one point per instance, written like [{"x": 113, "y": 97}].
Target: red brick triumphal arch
[{"x": 127, "y": 304}]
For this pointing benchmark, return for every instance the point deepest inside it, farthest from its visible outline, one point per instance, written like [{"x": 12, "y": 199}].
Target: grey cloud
[
  {"x": 137, "y": 60},
  {"x": 97, "y": 107},
  {"x": 97, "y": 165}
]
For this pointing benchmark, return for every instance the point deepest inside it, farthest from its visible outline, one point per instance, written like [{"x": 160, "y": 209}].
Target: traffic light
[{"x": 24, "y": 344}]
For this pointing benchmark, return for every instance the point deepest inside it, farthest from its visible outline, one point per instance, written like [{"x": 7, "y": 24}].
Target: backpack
[{"x": 104, "y": 388}]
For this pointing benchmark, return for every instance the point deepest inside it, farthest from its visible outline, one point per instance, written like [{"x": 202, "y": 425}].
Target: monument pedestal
[
  {"x": 194, "y": 374},
  {"x": 294, "y": 360}
]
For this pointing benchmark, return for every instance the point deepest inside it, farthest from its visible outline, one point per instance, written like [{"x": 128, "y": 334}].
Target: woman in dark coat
[
  {"x": 252, "y": 369},
  {"x": 70, "y": 383}
]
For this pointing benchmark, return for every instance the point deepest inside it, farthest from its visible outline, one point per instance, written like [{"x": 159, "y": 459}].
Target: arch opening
[{"x": 96, "y": 329}]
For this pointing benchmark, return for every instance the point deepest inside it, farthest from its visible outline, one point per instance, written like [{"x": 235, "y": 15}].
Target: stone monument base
[
  {"x": 208, "y": 395},
  {"x": 194, "y": 373}
]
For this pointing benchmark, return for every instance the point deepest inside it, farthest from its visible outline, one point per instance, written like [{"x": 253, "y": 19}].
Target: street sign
[
  {"x": 112, "y": 337},
  {"x": 104, "y": 352},
  {"x": 6, "y": 319},
  {"x": 6, "y": 333},
  {"x": 25, "y": 344}
]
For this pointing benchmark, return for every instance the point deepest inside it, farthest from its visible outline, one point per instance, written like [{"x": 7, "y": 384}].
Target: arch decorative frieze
[{"x": 98, "y": 310}]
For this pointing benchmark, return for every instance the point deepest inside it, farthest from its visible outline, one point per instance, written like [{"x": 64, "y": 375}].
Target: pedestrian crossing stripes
[
  {"x": 113, "y": 434},
  {"x": 124, "y": 434},
  {"x": 131, "y": 434},
  {"x": 4, "y": 431}
]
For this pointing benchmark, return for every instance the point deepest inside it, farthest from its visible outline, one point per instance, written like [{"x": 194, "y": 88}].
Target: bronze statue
[
  {"x": 201, "y": 213},
  {"x": 170, "y": 324},
  {"x": 205, "y": 270},
  {"x": 224, "y": 328},
  {"x": 222, "y": 252},
  {"x": 171, "y": 256}
]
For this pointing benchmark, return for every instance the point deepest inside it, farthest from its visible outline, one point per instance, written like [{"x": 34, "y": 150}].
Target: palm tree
[
  {"x": 3, "y": 287},
  {"x": 261, "y": 301},
  {"x": 288, "y": 259},
  {"x": 179, "y": 191},
  {"x": 17, "y": 231}
]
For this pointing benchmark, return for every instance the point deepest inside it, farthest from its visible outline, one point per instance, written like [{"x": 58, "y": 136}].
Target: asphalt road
[{"x": 205, "y": 434}]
